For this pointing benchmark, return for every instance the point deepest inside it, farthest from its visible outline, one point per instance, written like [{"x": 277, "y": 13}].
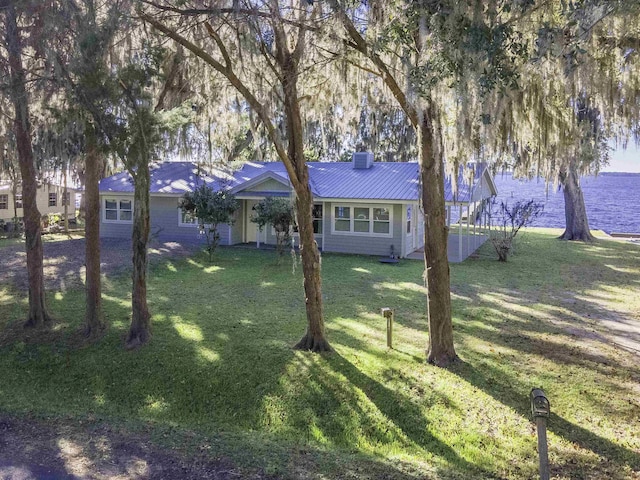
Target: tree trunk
[
  {"x": 575, "y": 212},
  {"x": 140, "y": 330},
  {"x": 38, "y": 314},
  {"x": 314, "y": 339},
  {"x": 441, "y": 350},
  {"x": 94, "y": 323}
]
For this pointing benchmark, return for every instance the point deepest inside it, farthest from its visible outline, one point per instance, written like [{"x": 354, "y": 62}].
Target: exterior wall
[
  {"x": 363, "y": 243},
  {"x": 42, "y": 200},
  {"x": 269, "y": 185},
  {"x": 164, "y": 216},
  {"x": 482, "y": 190}
]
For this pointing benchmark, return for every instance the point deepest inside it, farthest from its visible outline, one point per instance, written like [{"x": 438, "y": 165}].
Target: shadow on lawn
[{"x": 560, "y": 327}]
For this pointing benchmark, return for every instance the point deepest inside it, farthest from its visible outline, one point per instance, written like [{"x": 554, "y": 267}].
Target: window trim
[
  {"x": 117, "y": 200},
  {"x": 18, "y": 200},
  {"x": 4, "y": 202},
  {"x": 53, "y": 196},
  {"x": 182, "y": 224},
  {"x": 371, "y": 220}
]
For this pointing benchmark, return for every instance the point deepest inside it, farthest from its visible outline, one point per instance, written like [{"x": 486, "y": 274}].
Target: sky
[{"x": 624, "y": 160}]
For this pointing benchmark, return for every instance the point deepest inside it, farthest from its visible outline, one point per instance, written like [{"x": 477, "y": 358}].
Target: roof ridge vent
[{"x": 362, "y": 160}]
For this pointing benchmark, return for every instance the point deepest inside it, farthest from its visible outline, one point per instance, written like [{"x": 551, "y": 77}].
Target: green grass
[
  {"x": 220, "y": 372},
  {"x": 49, "y": 237}
]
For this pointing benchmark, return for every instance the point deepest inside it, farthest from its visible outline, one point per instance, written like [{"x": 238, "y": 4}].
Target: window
[
  {"x": 4, "y": 202},
  {"x": 187, "y": 219},
  {"x": 53, "y": 199},
  {"x": 362, "y": 220},
  {"x": 409, "y": 211},
  {"x": 66, "y": 199},
  {"x": 343, "y": 219},
  {"x": 316, "y": 213},
  {"x": 18, "y": 200},
  {"x": 118, "y": 210}
]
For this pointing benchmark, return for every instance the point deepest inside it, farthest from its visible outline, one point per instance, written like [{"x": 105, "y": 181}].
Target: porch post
[
  {"x": 468, "y": 229},
  {"x": 460, "y": 235},
  {"x": 324, "y": 223}
]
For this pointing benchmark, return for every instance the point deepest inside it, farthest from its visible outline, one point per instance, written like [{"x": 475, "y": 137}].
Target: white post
[
  {"x": 460, "y": 235},
  {"x": 468, "y": 232},
  {"x": 324, "y": 224}
]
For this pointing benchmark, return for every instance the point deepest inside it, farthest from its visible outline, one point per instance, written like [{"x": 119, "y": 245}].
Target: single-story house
[
  {"x": 361, "y": 207},
  {"x": 50, "y": 199}
]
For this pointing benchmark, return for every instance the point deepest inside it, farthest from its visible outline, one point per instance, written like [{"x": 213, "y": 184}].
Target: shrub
[
  {"x": 508, "y": 220},
  {"x": 279, "y": 213}
]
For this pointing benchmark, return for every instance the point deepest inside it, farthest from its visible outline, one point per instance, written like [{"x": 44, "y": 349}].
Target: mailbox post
[
  {"x": 388, "y": 314},
  {"x": 540, "y": 410}
]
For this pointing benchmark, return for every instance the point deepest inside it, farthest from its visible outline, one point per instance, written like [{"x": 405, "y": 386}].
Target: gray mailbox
[{"x": 539, "y": 403}]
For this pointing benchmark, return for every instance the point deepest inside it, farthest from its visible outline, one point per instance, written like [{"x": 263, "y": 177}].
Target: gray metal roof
[
  {"x": 335, "y": 180},
  {"x": 170, "y": 178}
]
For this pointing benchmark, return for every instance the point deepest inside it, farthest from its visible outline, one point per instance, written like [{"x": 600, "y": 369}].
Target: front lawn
[{"x": 219, "y": 375}]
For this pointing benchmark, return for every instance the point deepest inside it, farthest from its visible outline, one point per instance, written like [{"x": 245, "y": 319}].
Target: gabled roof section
[
  {"x": 242, "y": 185},
  {"x": 171, "y": 178},
  {"x": 393, "y": 181}
]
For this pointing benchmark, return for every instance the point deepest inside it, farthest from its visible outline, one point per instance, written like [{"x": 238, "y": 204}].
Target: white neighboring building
[{"x": 50, "y": 199}]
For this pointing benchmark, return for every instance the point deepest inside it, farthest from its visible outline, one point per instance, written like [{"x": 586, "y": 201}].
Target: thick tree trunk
[
  {"x": 314, "y": 339},
  {"x": 575, "y": 212},
  {"x": 94, "y": 323},
  {"x": 140, "y": 330},
  {"x": 38, "y": 314},
  {"x": 441, "y": 350}
]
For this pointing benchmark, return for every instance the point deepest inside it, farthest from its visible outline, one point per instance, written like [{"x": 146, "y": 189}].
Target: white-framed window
[
  {"x": 409, "y": 213},
  {"x": 187, "y": 219},
  {"x": 66, "y": 199},
  {"x": 363, "y": 220},
  {"x": 53, "y": 199},
  {"x": 316, "y": 213},
  {"x": 18, "y": 200},
  {"x": 4, "y": 202},
  {"x": 118, "y": 210}
]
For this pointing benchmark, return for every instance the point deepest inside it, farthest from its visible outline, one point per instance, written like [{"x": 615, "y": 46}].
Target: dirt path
[
  {"x": 64, "y": 260},
  {"x": 34, "y": 450}
]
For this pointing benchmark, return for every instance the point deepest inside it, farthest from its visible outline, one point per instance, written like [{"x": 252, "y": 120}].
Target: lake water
[{"x": 612, "y": 200}]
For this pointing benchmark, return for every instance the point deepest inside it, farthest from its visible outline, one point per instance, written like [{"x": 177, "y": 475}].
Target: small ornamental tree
[
  {"x": 211, "y": 208},
  {"x": 279, "y": 213},
  {"x": 508, "y": 221}
]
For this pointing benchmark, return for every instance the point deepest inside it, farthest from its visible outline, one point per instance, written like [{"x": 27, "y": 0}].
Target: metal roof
[
  {"x": 170, "y": 178},
  {"x": 335, "y": 180}
]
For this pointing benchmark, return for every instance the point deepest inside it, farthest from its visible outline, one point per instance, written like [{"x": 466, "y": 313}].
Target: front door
[
  {"x": 410, "y": 229},
  {"x": 251, "y": 228}
]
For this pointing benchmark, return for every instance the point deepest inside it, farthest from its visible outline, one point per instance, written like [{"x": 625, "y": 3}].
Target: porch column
[
  {"x": 460, "y": 235},
  {"x": 324, "y": 223},
  {"x": 468, "y": 230}
]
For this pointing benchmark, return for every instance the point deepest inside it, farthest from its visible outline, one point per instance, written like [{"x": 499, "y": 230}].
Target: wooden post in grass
[
  {"x": 540, "y": 409},
  {"x": 388, "y": 314}
]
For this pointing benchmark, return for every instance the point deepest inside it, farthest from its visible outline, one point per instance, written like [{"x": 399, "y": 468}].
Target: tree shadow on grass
[
  {"x": 514, "y": 394},
  {"x": 407, "y": 416}
]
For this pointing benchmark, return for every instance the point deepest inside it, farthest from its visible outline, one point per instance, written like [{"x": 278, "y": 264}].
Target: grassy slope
[{"x": 220, "y": 372}]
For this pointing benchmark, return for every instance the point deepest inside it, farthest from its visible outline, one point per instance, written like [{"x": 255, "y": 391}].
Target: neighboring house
[
  {"x": 49, "y": 198},
  {"x": 362, "y": 206}
]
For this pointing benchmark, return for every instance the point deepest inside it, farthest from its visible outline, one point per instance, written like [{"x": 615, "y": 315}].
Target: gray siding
[
  {"x": 269, "y": 185},
  {"x": 363, "y": 244},
  {"x": 114, "y": 229},
  {"x": 164, "y": 224}
]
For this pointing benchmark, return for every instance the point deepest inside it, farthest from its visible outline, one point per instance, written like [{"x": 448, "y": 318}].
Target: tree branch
[
  {"x": 251, "y": 12},
  {"x": 238, "y": 84},
  {"x": 360, "y": 44}
]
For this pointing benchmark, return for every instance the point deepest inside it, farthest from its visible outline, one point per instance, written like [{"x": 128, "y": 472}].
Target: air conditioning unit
[{"x": 362, "y": 160}]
